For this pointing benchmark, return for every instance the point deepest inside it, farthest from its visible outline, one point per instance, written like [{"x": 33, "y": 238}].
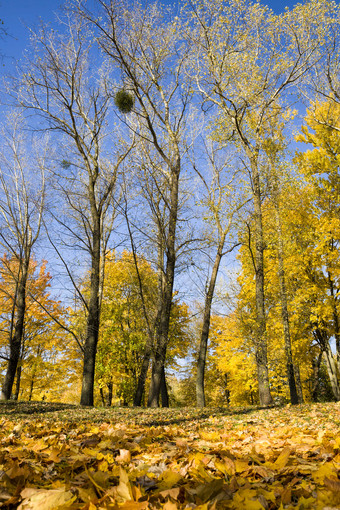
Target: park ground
[{"x": 55, "y": 456}]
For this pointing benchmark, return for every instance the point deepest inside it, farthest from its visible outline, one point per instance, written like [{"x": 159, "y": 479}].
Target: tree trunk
[
  {"x": 110, "y": 393},
  {"x": 316, "y": 377},
  {"x": 202, "y": 353},
  {"x": 322, "y": 337},
  {"x": 298, "y": 383},
  {"x": 336, "y": 320},
  {"x": 162, "y": 326},
  {"x": 261, "y": 340},
  {"x": 15, "y": 340},
  {"x": 18, "y": 380},
  {"x": 93, "y": 321},
  {"x": 137, "y": 402},
  {"x": 102, "y": 396},
  {"x": 332, "y": 373},
  {"x": 31, "y": 388},
  {"x": 284, "y": 303},
  {"x": 164, "y": 391}
]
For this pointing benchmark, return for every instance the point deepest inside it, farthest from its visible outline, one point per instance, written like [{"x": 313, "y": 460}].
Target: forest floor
[{"x": 68, "y": 457}]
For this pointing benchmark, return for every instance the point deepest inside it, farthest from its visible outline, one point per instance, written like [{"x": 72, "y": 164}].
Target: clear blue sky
[{"x": 20, "y": 14}]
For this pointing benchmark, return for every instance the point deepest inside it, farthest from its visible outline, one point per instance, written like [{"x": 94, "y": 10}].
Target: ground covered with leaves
[{"x": 67, "y": 457}]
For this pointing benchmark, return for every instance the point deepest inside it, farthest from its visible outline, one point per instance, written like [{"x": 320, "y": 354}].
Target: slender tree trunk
[
  {"x": 164, "y": 391},
  {"x": 31, "y": 387},
  {"x": 284, "y": 304},
  {"x": 316, "y": 377},
  {"x": 298, "y": 383},
  {"x": 202, "y": 352},
  {"x": 102, "y": 396},
  {"x": 93, "y": 321},
  {"x": 137, "y": 402},
  {"x": 18, "y": 380},
  {"x": 110, "y": 394},
  {"x": 17, "y": 336},
  {"x": 162, "y": 327},
  {"x": 261, "y": 340}
]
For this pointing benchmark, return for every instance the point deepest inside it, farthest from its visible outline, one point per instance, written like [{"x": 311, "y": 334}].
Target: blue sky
[{"x": 20, "y": 14}]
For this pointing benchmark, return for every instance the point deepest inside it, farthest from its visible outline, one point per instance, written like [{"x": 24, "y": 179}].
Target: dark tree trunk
[
  {"x": 202, "y": 352},
  {"x": 102, "y": 396},
  {"x": 162, "y": 326},
  {"x": 298, "y": 383},
  {"x": 261, "y": 339},
  {"x": 31, "y": 388},
  {"x": 137, "y": 402},
  {"x": 15, "y": 340},
  {"x": 110, "y": 394},
  {"x": 93, "y": 321},
  {"x": 18, "y": 380},
  {"x": 164, "y": 391},
  {"x": 316, "y": 377}
]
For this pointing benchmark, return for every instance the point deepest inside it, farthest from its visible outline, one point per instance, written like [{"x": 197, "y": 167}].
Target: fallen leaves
[{"x": 283, "y": 458}]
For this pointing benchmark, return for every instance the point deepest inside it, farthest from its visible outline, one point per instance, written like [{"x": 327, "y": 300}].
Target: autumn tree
[
  {"x": 40, "y": 353},
  {"x": 22, "y": 198},
  {"x": 66, "y": 84},
  {"x": 246, "y": 60},
  {"x": 147, "y": 45},
  {"x": 320, "y": 166},
  {"x": 221, "y": 199}
]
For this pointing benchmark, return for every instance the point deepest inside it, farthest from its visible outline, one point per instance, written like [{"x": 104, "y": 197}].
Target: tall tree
[
  {"x": 146, "y": 43},
  {"x": 245, "y": 61},
  {"x": 222, "y": 199},
  {"x": 62, "y": 85},
  {"x": 22, "y": 198}
]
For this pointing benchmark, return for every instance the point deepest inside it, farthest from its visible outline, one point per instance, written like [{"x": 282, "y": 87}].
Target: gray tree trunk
[
  {"x": 93, "y": 320},
  {"x": 202, "y": 352},
  {"x": 162, "y": 326}
]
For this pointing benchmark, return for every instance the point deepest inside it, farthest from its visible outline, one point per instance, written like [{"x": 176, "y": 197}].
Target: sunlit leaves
[{"x": 141, "y": 459}]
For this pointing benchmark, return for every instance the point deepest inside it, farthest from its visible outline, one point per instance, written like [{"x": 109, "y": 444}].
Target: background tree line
[{"x": 144, "y": 149}]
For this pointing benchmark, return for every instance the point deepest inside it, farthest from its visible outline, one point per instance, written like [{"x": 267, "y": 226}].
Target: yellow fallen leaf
[
  {"x": 241, "y": 466},
  {"x": 168, "y": 479},
  {"x": 325, "y": 470},
  {"x": 46, "y": 499},
  {"x": 226, "y": 466},
  {"x": 134, "y": 505},
  {"x": 170, "y": 505},
  {"x": 123, "y": 490},
  {"x": 282, "y": 459},
  {"x": 54, "y": 455}
]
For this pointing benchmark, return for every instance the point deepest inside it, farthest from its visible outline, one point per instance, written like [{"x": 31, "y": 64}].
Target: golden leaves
[{"x": 263, "y": 459}]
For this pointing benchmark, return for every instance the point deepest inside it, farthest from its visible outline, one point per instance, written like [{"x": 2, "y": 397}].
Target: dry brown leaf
[{"x": 334, "y": 485}]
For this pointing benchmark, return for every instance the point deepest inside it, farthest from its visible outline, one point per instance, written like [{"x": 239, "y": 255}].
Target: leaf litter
[{"x": 68, "y": 457}]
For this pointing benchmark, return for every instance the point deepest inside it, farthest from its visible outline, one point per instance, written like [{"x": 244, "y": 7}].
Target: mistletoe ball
[{"x": 124, "y": 101}]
